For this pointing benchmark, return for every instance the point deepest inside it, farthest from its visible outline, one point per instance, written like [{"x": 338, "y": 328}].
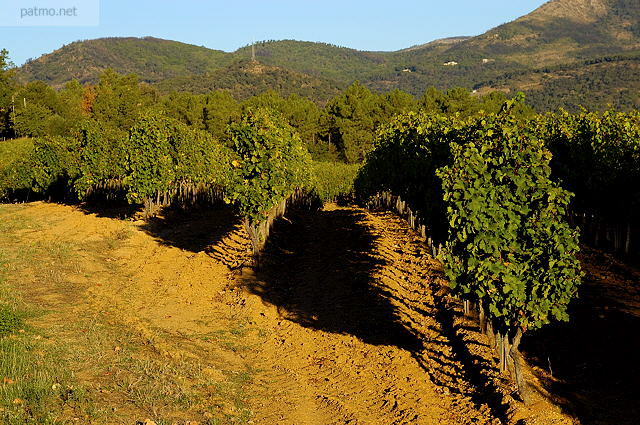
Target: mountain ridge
[{"x": 560, "y": 32}]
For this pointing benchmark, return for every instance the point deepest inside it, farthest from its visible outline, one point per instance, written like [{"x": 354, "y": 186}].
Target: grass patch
[
  {"x": 30, "y": 391},
  {"x": 87, "y": 360},
  {"x": 158, "y": 386},
  {"x": 11, "y": 223},
  {"x": 35, "y": 387},
  {"x": 232, "y": 339},
  {"x": 12, "y": 150},
  {"x": 169, "y": 388},
  {"x": 10, "y": 321}
]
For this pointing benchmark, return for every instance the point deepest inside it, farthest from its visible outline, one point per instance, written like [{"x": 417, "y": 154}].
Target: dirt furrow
[{"x": 356, "y": 327}]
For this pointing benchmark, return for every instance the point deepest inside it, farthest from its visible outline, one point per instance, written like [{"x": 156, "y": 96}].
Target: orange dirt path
[
  {"x": 348, "y": 321},
  {"x": 350, "y": 341}
]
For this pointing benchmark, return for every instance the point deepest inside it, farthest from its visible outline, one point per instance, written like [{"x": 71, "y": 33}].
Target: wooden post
[
  {"x": 147, "y": 207},
  {"x": 465, "y": 306},
  {"x": 501, "y": 351}
]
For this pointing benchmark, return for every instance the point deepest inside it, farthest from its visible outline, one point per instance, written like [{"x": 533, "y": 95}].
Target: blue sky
[{"x": 364, "y": 25}]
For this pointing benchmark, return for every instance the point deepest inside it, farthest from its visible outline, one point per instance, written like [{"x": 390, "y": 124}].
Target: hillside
[
  {"x": 561, "y": 33},
  {"x": 152, "y": 59},
  {"x": 324, "y": 60},
  {"x": 593, "y": 84},
  {"x": 440, "y": 42},
  {"x": 247, "y": 78}
]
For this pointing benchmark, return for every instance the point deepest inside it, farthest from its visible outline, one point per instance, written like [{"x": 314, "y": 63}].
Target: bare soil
[{"x": 348, "y": 321}]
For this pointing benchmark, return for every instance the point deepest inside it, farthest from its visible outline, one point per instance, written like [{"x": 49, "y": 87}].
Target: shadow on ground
[
  {"x": 591, "y": 363},
  {"x": 194, "y": 230},
  {"x": 317, "y": 270},
  {"x": 117, "y": 209}
]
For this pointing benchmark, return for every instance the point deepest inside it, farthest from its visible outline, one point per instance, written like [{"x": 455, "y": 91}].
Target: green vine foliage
[
  {"x": 597, "y": 156},
  {"x": 202, "y": 160},
  {"x": 16, "y": 178},
  {"x": 103, "y": 156},
  {"x": 509, "y": 245},
  {"x": 333, "y": 180},
  {"x": 271, "y": 163},
  {"x": 407, "y": 153},
  {"x": 56, "y": 162},
  {"x": 48, "y": 170},
  {"x": 164, "y": 154}
]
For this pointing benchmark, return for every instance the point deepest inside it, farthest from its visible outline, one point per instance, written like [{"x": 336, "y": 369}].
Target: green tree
[
  {"x": 459, "y": 100},
  {"x": 301, "y": 113},
  {"x": 397, "y": 102},
  {"x": 268, "y": 99},
  {"x": 41, "y": 111},
  {"x": 32, "y": 121},
  {"x": 185, "y": 107},
  {"x": 433, "y": 101},
  {"x": 118, "y": 99},
  {"x": 71, "y": 97},
  {"x": 35, "y": 109},
  {"x": 352, "y": 119},
  {"x": 220, "y": 109},
  {"x": 7, "y": 87},
  {"x": 465, "y": 103}
]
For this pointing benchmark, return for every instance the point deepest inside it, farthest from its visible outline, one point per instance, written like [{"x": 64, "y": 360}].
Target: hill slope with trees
[{"x": 555, "y": 37}]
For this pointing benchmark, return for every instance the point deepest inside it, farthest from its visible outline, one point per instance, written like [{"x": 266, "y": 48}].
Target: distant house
[
  {"x": 451, "y": 63},
  {"x": 485, "y": 60}
]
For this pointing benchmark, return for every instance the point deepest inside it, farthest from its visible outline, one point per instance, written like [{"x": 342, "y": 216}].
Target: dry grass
[{"x": 76, "y": 363}]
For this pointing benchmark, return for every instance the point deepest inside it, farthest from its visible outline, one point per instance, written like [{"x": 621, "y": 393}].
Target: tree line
[{"x": 343, "y": 129}]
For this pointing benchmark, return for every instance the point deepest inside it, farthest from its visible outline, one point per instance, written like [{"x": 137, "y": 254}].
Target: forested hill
[
  {"x": 596, "y": 84},
  {"x": 246, "y": 78},
  {"x": 152, "y": 59},
  {"x": 559, "y": 36}
]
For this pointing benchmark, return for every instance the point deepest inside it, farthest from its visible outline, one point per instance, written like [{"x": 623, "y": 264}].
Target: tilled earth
[{"x": 348, "y": 321}]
